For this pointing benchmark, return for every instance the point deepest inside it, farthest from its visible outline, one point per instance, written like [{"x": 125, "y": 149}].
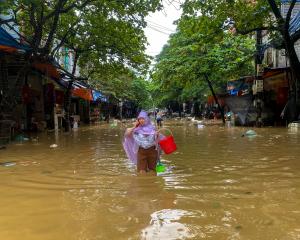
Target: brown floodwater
[{"x": 219, "y": 185}]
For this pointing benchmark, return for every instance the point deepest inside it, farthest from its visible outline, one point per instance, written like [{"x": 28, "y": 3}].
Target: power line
[
  {"x": 171, "y": 2},
  {"x": 160, "y": 26},
  {"x": 163, "y": 30},
  {"x": 158, "y": 30}
]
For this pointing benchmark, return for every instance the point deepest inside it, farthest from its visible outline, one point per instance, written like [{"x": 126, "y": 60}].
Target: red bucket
[{"x": 168, "y": 144}]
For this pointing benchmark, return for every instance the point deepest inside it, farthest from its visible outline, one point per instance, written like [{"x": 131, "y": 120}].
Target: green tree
[
  {"x": 43, "y": 22},
  {"x": 196, "y": 52},
  {"x": 141, "y": 93},
  {"x": 102, "y": 33},
  {"x": 250, "y": 16}
]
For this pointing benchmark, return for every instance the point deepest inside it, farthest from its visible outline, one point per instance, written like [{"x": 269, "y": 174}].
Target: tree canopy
[
  {"x": 249, "y": 16},
  {"x": 106, "y": 35},
  {"x": 113, "y": 29},
  {"x": 200, "y": 48}
]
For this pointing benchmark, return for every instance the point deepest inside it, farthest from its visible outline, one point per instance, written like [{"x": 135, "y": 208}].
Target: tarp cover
[
  {"x": 83, "y": 93},
  {"x": 47, "y": 68},
  {"x": 8, "y": 42},
  {"x": 98, "y": 96},
  {"x": 239, "y": 87}
]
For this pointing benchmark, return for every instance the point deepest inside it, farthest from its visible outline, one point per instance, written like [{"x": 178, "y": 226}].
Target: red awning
[
  {"x": 84, "y": 93},
  {"x": 47, "y": 69},
  {"x": 8, "y": 49}
]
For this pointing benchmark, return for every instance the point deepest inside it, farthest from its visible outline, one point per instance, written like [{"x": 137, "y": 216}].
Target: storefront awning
[
  {"x": 98, "y": 96},
  {"x": 47, "y": 68},
  {"x": 84, "y": 93},
  {"x": 9, "y": 44}
]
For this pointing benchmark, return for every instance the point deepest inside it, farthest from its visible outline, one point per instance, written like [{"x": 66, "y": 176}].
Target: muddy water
[{"x": 219, "y": 185}]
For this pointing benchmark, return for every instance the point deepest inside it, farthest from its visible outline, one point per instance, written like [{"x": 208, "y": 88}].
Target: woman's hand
[
  {"x": 136, "y": 124},
  {"x": 129, "y": 131}
]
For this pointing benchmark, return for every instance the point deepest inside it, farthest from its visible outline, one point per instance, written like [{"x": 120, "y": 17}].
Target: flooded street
[{"x": 219, "y": 185}]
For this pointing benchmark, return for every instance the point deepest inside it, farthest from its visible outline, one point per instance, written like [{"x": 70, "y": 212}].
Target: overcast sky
[{"x": 160, "y": 26}]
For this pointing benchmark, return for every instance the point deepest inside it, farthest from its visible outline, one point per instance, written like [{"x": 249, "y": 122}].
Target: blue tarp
[
  {"x": 288, "y": 1},
  {"x": 239, "y": 87},
  {"x": 98, "y": 96},
  {"x": 7, "y": 40}
]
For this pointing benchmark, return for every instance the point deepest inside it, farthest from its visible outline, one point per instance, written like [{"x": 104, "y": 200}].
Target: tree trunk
[
  {"x": 179, "y": 108},
  {"x": 215, "y": 97},
  {"x": 294, "y": 61},
  {"x": 121, "y": 110},
  {"x": 295, "y": 66}
]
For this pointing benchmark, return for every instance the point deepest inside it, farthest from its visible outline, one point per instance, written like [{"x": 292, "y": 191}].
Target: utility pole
[{"x": 258, "y": 82}]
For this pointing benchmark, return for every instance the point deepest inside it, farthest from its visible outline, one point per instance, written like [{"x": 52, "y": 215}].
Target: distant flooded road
[{"x": 219, "y": 185}]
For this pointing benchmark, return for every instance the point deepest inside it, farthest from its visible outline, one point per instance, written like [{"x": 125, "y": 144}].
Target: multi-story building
[
  {"x": 277, "y": 58},
  {"x": 65, "y": 57}
]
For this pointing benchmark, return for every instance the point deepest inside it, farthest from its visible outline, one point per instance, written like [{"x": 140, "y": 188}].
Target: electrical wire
[
  {"x": 159, "y": 26},
  {"x": 160, "y": 31}
]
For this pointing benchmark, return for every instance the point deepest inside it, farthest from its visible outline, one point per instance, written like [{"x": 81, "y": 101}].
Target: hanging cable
[
  {"x": 158, "y": 30},
  {"x": 159, "y": 26}
]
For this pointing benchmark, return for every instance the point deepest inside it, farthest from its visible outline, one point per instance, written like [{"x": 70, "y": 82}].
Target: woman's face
[{"x": 142, "y": 121}]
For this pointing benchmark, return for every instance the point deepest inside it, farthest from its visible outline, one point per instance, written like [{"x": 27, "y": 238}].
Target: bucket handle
[{"x": 165, "y": 129}]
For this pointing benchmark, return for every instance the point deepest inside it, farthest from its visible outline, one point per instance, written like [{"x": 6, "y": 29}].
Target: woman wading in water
[{"x": 140, "y": 144}]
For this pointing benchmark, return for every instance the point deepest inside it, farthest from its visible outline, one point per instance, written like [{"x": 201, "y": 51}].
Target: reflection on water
[
  {"x": 165, "y": 224},
  {"x": 220, "y": 185}
]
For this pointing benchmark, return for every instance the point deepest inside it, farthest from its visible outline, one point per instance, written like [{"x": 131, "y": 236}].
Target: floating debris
[
  {"x": 21, "y": 138},
  {"x": 8, "y": 164},
  {"x": 53, "y": 146},
  {"x": 250, "y": 133}
]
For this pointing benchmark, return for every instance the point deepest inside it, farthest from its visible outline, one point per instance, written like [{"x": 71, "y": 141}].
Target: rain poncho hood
[{"x": 148, "y": 127}]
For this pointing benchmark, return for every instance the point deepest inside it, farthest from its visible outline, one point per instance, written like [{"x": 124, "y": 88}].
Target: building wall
[
  {"x": 277, "y": 58},
  {"x": 65, "y": 58}
]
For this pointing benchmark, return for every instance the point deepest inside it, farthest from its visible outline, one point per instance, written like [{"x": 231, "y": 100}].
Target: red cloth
[
  {"x": 59, "y": 97},
  {"x": 47, "y": 69},
  {"x": 282, "y": 96},
  {"x": 84, "y": 93},
  {"x": 8, "y": 49}
]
